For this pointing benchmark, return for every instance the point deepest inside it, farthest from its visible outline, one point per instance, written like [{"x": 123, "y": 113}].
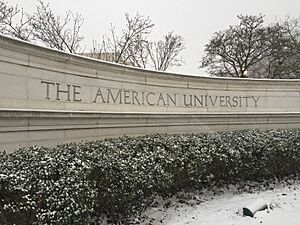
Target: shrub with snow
[
  {"x": 46, "y": 186},
  {"x": 78, "y": 183}
]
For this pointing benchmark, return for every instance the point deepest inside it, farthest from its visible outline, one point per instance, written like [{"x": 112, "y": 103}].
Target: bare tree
[
  {"x": 254, "y": 50},
  {"x": 43, "y": 26},
  {"x": 231, "y": 52},
  {"x": 132, "y": 47},
  {"x": 14, "y": 22},
  {"x": 55, "y": 31},
  {"x": 284, "y": 58},
  {"x": 4, "y": 10},
  {"x": 129, "y": 47},
  {"x": 165, "y": 53},
  {"x": 292, "y": 28}
]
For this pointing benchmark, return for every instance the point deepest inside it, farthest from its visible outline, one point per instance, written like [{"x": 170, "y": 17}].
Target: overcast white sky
[{"x": 195, "y": 20}]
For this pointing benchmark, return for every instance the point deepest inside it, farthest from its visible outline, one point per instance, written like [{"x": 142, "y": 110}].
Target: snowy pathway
[{"x": 226, "y": 208}]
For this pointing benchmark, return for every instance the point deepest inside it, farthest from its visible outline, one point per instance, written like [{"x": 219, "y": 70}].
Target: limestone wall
[{"x": 47, "y": 97}]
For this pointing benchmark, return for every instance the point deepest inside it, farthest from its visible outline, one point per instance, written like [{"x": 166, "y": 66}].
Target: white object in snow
[{"x": 257, "y": 205}]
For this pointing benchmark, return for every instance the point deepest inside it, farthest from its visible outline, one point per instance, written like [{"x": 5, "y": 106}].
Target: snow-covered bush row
[
  {"x": 46, "y": 186},
  {"x": 80, "y": 182}
]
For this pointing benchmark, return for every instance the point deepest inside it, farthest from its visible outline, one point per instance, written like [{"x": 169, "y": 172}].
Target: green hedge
[{"x": 80, "y": 182}]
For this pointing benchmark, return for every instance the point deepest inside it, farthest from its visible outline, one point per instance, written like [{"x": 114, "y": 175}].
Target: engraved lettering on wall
[
  {"x": 101, "y": 95},
  {"x": 61, "y": 92}
]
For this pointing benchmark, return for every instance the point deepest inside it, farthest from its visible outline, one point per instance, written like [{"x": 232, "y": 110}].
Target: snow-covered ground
[{"x": 223, "y": 206}]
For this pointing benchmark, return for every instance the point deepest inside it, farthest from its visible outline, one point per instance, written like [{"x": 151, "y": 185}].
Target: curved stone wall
[{"x": 48, "y": 97}]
